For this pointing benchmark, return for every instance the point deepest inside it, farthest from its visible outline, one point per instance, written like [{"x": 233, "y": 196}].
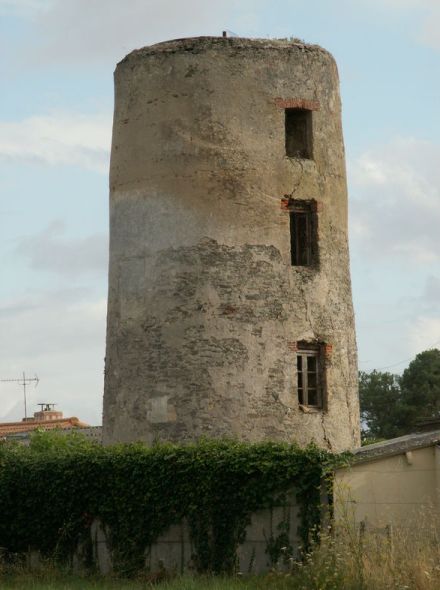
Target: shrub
[{"x": 52, "y": 491}]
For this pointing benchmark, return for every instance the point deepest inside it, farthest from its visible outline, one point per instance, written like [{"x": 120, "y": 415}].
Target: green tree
[
  {"x": 392, "y": 405},
  {"x": 420, "y": 385},
  {"x": 379, "y": 395}
]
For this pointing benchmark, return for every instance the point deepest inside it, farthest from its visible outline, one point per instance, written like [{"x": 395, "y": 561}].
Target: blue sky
[{"x": 55, "y": 131}]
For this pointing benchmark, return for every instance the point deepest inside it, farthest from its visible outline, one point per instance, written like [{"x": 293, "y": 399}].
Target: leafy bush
[{"x": 51, "y": 491}]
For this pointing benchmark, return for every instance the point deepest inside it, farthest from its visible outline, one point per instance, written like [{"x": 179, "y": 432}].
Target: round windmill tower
[{"x": 230, "y": 310}]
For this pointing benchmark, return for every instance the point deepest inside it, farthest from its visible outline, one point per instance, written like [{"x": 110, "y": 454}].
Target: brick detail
[
  {"x": 285, "y": 204},
  {"x": 328, "y": 350},
  {"x": 298, "y": 103},
  {"x": 292, "y": 346}
]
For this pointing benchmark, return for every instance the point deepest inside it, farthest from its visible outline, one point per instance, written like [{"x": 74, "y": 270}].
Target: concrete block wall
[{"x": 174, "y": 551}]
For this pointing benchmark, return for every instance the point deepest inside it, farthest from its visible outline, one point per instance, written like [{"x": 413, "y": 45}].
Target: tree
[
  {"x": 420, "y": 385},
  {"x": 392, "y": 405},
  {"x": 379, "y": 395}
]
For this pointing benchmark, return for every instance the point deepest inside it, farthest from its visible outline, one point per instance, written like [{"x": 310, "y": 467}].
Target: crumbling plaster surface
[{"x": 203, "y": 300}]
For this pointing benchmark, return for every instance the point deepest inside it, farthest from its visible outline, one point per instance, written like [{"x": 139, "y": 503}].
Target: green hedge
[{"x": 51, "y": 491}]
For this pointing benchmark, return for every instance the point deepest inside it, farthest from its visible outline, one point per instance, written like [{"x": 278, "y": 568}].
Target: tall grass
[
  {"x": 344, "y": 558},
  {"x": 353, "y": 558}
]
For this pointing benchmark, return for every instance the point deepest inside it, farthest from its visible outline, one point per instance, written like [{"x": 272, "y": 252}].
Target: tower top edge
[{"x": 205, "y": 43}]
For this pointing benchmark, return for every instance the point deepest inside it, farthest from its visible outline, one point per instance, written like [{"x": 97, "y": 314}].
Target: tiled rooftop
[{"x": 7, "y": 428}]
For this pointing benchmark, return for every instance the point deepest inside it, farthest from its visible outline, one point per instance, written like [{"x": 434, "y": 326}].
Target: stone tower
[{"x": 230, "y": 310}]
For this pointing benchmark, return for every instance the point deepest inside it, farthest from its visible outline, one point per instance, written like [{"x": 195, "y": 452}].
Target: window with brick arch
[
  {"x": 298, "y": 133},
  {"x": 303, "y": 233},
  {"x": 310, "y": 380}
]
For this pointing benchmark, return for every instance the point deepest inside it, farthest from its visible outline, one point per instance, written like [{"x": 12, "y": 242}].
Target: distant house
[
  {"x": 391, "y": 483},
  {"x": 47, "y": 418}
]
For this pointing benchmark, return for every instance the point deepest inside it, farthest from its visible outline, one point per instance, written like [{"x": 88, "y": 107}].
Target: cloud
[
  {"x": 394, "y": 237},
  {"x": 405, "y": 5},
  {"x": 424, "y": 333},
  {"x": 111, "y": 28},
  {"x": 423, "y": 15},
  {"x": 60, "y": 138},
  {"x": 429, "y": 32},
  {"x": 24, "y": 7},
  {"x": 78, "y": 31},
  {"x": 60, "y": 337},
  {"x": 51, "y": 250},
  {"x": 57, "y": 322},
  {"x": 431, "y": 294},
  {"x": 423, "y": 325},
  {"x": 395, "y": 201},
  {"x": 402, "y": 5},
  {"x": 394, "y": 332}
]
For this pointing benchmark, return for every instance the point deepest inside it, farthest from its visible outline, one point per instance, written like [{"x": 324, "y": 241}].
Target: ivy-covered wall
[{"x": 52, "y": 491}]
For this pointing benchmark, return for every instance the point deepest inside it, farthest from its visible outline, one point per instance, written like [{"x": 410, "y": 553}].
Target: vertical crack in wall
[
  {"x": 326, "y": 438},
  {"x": 299, "y": 175}
]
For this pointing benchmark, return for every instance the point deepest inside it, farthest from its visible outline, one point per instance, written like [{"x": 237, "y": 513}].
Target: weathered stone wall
[
  {"x": 204, "y": 305},
  {"x": 174, "y": 552}
]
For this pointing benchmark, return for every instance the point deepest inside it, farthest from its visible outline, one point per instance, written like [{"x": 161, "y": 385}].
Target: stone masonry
[{"x": 208, "y": 311}]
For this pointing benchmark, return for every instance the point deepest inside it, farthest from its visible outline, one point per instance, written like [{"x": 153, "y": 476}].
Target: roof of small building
[
  {"x": 7, "y": 428},
  {"x": 90, "y": 432},
  {"x": 397, "y": 446}
]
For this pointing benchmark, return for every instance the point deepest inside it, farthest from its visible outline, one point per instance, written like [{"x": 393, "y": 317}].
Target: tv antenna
[
  {"x": 23, "y": 381},
  {"x": 46, "y": 407}
]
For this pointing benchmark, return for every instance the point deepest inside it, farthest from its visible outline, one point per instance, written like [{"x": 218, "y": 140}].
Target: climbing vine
[{"x": 51, "y": 492}]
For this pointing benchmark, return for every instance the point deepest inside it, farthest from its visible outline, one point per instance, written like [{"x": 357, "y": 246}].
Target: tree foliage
[
  {"x": 420, "y": 385},
  {"x": 393, "y": 405},
  {"x": 52, "y": 491},
  {"x": 379, "y": 396}
]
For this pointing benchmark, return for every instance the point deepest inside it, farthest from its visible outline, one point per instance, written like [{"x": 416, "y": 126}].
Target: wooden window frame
[
  {"x": 304, "y": 390},
  {"x": 293, "y": 118},
  {"x": 303, "y": 233}
]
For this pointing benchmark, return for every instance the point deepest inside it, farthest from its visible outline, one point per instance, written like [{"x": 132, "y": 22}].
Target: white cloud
[
  {"x": 51, "y": 250},
  {"x": 60, "y": 138},
  {"x": 424, "y": 333},
  {"x": 86, "y": 31},
  {"x": 429, "y": 32},
  {"x": 77, "y": 31},
  {"x": 395, "y": 331},
  {"x": 50, "y": 323},
  {"x": 424, "y": 16},
  {"x": 431, "y": 294},
  {"x": 24, "y": 7},
  {"x": 60, "y": 337},
  {"x": 399, "y": 5},
  {"x": 395, "y": 201},
  {"x": 404, "y": 5},
  {"x": 395, "y": 216}
]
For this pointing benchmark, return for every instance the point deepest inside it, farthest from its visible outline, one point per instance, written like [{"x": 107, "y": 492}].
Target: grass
[
  {"x": 406, "y": 559},
  {"x": 66, "y": 582}
]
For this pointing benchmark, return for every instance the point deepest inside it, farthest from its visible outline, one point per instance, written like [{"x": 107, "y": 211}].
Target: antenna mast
[{"x": 23, "y": 381}]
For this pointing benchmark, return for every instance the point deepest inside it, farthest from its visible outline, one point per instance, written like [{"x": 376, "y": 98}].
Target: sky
[{"x": 56, "y": 103}]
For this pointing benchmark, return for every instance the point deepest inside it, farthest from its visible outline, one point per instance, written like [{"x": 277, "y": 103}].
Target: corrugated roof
[{"x": 397, "y": 446}]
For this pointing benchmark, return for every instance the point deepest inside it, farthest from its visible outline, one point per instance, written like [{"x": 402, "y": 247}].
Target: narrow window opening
[
  {"x": 303, "y": 233},
  {"x": 309, "y": 375},
  {"x": 298, "y": 124},
  {"x": 300, "y": 380}
]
